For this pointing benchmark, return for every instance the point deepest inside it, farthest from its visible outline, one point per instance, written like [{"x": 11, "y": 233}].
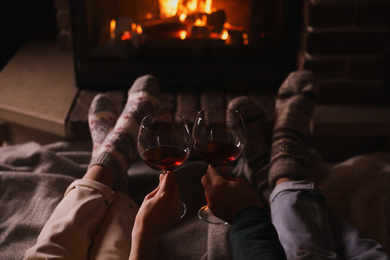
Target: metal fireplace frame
[{"x": 187, "y": 75}]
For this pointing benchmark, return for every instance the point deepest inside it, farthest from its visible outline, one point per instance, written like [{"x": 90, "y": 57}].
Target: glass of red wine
[
  {"x": 218, "y": 136},
  {"x": 164, "y": 143}
]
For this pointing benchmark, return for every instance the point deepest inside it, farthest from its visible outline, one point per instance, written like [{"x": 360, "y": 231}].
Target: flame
[
  {"x": 201, "y": 22},
  {"x": 192, "y": 5},
  {"x": 182, "y": 17},
  {"x": 245, "y": 37},
  {"x": 183, "y": 34},
  {"x": 139, "y": 29},
  {"x": 186, "y": 11},
  {"x": 208, "y": 6},
  {"x": 225, "y": 34},
  {"x": 170, "y": 8},
  {"x": 126, "y": 36},
  {"x": 112, "y": 29}
]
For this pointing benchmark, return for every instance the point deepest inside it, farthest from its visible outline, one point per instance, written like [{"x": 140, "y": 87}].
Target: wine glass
[
  {"x": 219, "y": 136},
  {"x": 164, "y": 143}
]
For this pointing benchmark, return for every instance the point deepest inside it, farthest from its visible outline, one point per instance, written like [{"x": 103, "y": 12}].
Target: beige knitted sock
[{"x": 120, "y": 146}]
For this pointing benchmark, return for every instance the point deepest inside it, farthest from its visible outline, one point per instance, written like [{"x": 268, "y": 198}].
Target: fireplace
[{"x": 186, "y": 44}]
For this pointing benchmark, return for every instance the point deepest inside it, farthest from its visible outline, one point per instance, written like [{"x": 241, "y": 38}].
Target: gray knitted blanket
[{"x": 33, "y": 179}]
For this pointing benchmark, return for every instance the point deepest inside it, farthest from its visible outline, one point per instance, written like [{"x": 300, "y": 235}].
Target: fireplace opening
[{"x": 186, "y": 44}]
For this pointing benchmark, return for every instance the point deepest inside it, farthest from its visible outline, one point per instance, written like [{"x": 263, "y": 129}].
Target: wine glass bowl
[
  {"x": 219, "y": 137},
  {"x": 164, "y": 142}
]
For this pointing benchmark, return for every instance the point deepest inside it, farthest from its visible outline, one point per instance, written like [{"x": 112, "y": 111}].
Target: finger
[
  {"x": 206, "y": 182},
  {"x": 214, "y": 175},
  {"x": 169, "y": 186},
  {"x": 165, "y": 182},
  {"x": 152, "y": 193},
  {"x": 210, "y": 177}
]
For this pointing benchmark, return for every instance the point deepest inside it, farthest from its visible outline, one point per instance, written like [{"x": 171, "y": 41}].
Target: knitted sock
[
  {"x": 102, "y": 116},
  {"x": 294, "y": 108},
  {"x": 120, "y": 146},
  {"x": 254, "y": 162},
  {"x": 257, "y": 148}
]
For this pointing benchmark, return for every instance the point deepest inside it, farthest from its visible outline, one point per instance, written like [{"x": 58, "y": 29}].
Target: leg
[
  {"x": 313, "y": 229},
  {"x": 119, "y": 148},
  {"x": 254, "y": 163},
  {"x": 113, "y": 240},
  {"x": 294, "y": 108},
  {"x": 72, "y": 216},
  {"x": 307, "y": 227},
  {"x": 300, "y": 215},
  {"x": 303, "y": 227},
  {"x": 90, "y": 207},
  {"x": 102, "y": 116}
]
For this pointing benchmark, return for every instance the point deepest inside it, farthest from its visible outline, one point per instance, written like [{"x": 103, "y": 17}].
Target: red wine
[
  {"x": 218, "y": 153},
  {"x": 165, "y": 157}
]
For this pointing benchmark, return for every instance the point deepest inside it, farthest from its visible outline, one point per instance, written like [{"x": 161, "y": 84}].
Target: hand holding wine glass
[
  {"x": 228, "y": 196},
  {"x": 164, "y": 142},
  {"x": 219, "y": 137}
]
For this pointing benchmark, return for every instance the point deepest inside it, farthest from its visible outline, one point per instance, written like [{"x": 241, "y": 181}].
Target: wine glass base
[
  {"x": 183, "y": 209},
  {"x": 205, "y": 214}
]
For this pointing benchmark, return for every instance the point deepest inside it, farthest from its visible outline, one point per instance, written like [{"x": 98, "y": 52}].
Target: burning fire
[
  {"x": 225, "y": 34},
  {"x": 112, "y": 29},
  {"x": 183, "y": 35},
  {"x": 171, "y": 8},
  {"x": 192, "y": 18}
]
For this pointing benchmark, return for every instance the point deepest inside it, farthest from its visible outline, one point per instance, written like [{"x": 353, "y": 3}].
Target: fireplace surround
[{"x": 258, "y": 51}]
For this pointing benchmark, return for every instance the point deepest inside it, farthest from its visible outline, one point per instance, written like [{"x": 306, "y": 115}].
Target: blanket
[
  {"x": 359, "y": 190},
  {"x": 33, "y": 179}
]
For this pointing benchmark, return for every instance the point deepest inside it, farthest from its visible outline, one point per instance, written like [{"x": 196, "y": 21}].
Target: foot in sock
[
  {"x": 254, "y": 162},
  {"x": 294, "y": 108},
  {"x": 102, "y": 116},
  {"x": 120, "y": 146}
]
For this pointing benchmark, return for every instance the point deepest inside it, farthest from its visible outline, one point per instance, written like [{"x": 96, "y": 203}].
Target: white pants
[{"x": 91, "y": 222}]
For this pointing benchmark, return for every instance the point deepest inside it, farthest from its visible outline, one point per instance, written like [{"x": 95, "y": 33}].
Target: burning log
[
  {"x": 200, "y": 32},
  {"x": 197, "y": 28},
  {"x": 235, "y": 38},
  {"x": 157, "y": 26},
  {"x": 217, "y": 19},
  {"x": 199, "y": 25}
]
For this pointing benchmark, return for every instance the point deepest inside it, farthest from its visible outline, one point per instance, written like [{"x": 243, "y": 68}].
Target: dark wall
[{"x": 18, "y": 21}]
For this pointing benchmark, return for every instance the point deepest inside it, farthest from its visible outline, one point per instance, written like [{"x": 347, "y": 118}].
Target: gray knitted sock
[
  {"x": 254, "y": 163},
  {"x": 294, "y": 108},
  {"x": 120, "y": 146},
  {"x": 102, "y": 116},
  {"x": 257, "y": 148}
]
